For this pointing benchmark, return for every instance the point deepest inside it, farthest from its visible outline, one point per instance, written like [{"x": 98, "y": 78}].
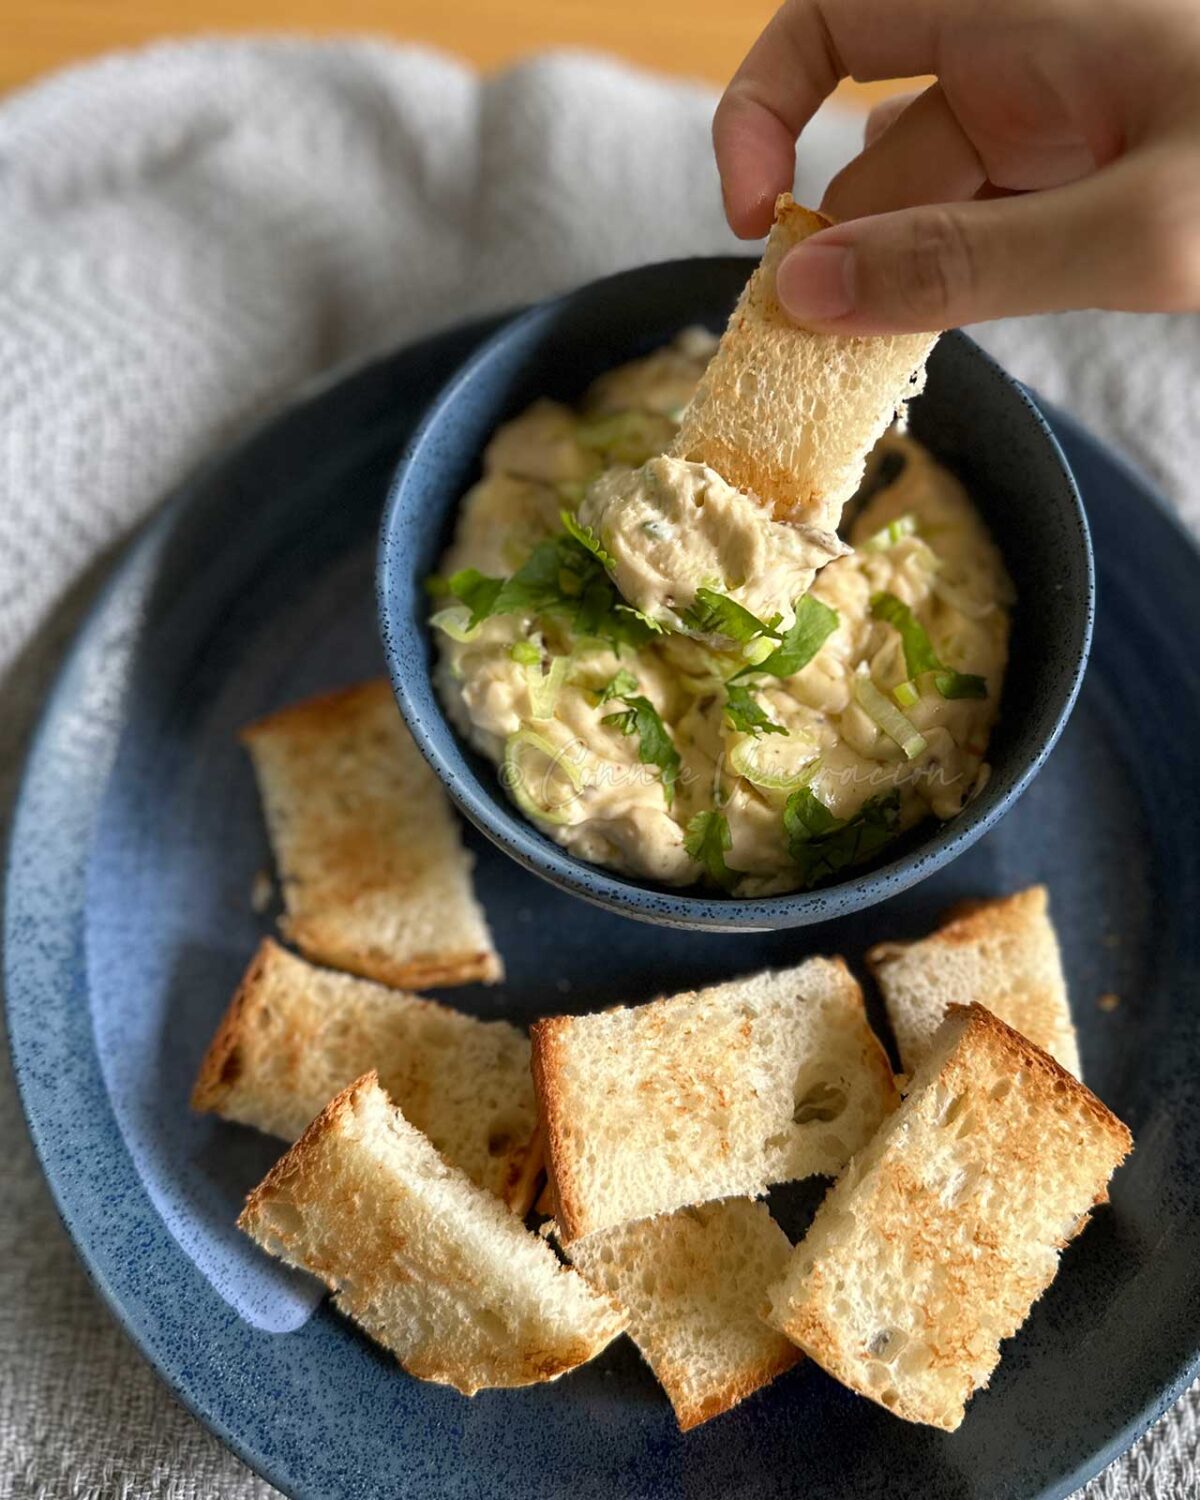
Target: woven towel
[{"x": 187, "y": 235}]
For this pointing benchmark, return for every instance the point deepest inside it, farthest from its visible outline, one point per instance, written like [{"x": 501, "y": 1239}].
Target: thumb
[{"x": 1126, "y": 237}]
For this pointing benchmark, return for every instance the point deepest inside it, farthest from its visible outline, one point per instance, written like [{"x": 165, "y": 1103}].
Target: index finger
[{"x": 807, "y": 47}]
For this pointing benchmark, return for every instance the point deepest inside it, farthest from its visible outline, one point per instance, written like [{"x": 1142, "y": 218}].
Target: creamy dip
[
  {"x": 796, "y": 727},
  {"x": 671, "y": 527}
]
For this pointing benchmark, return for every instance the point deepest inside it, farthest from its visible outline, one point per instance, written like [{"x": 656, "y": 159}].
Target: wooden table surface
[{"x": 702, "y": 39}]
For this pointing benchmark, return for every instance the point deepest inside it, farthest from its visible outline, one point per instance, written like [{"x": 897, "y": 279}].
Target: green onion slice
[
  {"x": 519, "y": 750},
  {"x": 765, "y": 765},
  {"x": 887, "y": 536},
  {"x": 455, "y": 621},
  {"x": 886, "y": 716},
  {"x": 545, "y": 686}
]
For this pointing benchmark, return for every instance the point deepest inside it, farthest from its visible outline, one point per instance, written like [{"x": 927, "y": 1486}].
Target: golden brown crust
[
  {"x": 788, "y": 414},
  {"x": 295, "y": 1034},
  {"x": 372, "y": 870},
  {"x": 961, "y": 1259},
  {"x": 219, "y": 1068},
  {"x": 388, "y": 1254},
  {"x": 1054, "y": 1078},
  {"x": 295, "y": 1161},
  {"x": 545, "y": 1037},
  {"x": 691, "y": 1414},
  {"x": 320, "y": 712},
  {"x": 1001, "y": 952},
  {"x": 323, "y": 942}
]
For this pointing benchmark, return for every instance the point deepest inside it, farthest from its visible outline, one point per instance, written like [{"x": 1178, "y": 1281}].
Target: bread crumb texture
[
  {"x": 1002, "y": 954},
  {"x": 693, "y": 1286},
  {"x": 295, "y": 1034},
  {"x": 709, "y": 1094},
  {"x": 430, "y": 1265},
  {"x": 373, "y": 872},
  {"x": 939, "y": 1237},
  {"x": 787, "y": 414}
]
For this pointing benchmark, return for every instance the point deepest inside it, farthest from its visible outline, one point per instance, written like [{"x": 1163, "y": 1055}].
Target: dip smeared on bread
[{"x": 683, "y": 672}]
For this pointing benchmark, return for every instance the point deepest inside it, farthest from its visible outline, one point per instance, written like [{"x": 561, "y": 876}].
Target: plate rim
[{"x": 139, "y": 551}]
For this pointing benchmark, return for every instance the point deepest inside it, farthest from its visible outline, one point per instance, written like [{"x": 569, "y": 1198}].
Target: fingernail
[{"x": 815, "y": 283}]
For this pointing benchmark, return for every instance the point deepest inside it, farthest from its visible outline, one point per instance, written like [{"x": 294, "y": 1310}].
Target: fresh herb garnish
[
  {"x": 655, "y": 747},
  {"x": 586, "y": 537},
  {"x": 919, "y": 655},
  {"x": 707, "y": 840},
  {"x": 744, "y": 713},
  {"x": 560, "y": 576},
  {"x": 822, "y": 844},
  {"x": 711, "y": 613},
  {"x": 960, "y": 685},
  {"x": 800, "y": 642},
  {"x": 620, "y": 685}
]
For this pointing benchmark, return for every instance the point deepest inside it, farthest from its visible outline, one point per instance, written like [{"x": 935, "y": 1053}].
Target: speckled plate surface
[{"x": 135, "y": 846}]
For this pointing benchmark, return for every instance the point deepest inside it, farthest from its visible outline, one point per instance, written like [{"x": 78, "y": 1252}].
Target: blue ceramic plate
[{"x": 135, "y": 846}]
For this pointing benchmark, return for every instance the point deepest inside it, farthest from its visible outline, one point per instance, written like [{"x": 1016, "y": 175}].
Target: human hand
[{"x": 1054, "y": 164}]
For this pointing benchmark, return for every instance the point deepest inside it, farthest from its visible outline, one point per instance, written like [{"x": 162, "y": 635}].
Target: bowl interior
[{"x": 971, "y": 415}]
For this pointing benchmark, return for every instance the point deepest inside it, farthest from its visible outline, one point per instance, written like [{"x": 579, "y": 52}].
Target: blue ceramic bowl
[{"x": 973, "y": 417}]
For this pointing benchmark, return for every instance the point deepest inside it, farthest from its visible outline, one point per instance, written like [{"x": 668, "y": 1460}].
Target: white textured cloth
[{"x": 186, "y": 235}]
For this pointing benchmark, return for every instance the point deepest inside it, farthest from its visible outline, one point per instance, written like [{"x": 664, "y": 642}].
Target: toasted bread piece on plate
[
  {"x": 1003, "y": 954},
  {"x": 787, "y": 414},
  {"x": 294, "y": 1035},
  {"x": 375, "y": 878},
  {"x": 430, "y": 1265},
  {"x": 714, "y": 1093},
  {"x": 943, "y": 1232},
  {"x": 693, "y": 1284}
]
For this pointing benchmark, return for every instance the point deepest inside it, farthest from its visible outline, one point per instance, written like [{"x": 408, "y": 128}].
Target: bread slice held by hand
[
  {"x": 693, "y": 1285},
  {"x": 430, "y": 1266},
  {"x": 787, "y": 414},
  {"x": 710, "y": 1094},
  {"x": 1003, "y": 954},
  {"x": 943, "y": 1232},
  {"x": 375, "y": 878},
  {"x": 295, "y": 1035}
]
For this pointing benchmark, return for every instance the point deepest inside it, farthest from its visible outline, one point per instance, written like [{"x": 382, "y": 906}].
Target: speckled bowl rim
[{"x": 508, "y": 830}]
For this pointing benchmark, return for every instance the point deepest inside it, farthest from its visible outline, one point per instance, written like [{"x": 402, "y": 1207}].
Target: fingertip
[
  {"x": 756, "y": 159},
  {"x": 815, "y": 283},
  {"x": 750, "y": 215}
]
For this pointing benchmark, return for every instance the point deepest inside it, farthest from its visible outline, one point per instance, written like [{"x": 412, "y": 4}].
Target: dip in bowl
[{"x": 548, "y": 728}]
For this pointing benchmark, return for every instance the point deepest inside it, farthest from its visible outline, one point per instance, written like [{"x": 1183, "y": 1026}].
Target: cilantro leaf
[
  {"x": 960, "y": 685},
  {"x": 919, "y": 655},
  {"x": 586, "y": 537},
  {"x": 707, "y": 840},
  {"x": 823, "y": 845},
  {"x": 560, "y": 576},
  {"x": 643, "y": 618},
  {"x": 655, "y": 746},
  {"x": 620, "y": 685},
  {"x": 477, "y": 591},
  {"x": 711, "y": 613},
  {"x": 800, "y": 642},
  {"x": 747, "y": 715}
]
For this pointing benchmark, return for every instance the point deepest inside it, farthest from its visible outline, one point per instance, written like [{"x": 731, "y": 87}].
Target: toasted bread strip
[
  {"x": 1003, "y": 954},
  {"x": 693, "y": 1284},
  {"x": 294, "y": 1035},
  {"x": 375, "y": 878},
  {"x": 941, "y": 1235},
  {"x": 787, "y": 414},
  {"x": 709, "y": 1094},
  {"x": 431, "y": 1266}
]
